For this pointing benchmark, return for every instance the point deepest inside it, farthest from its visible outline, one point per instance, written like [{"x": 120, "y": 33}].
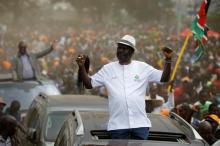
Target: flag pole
[{"x": 179, "y": 59}]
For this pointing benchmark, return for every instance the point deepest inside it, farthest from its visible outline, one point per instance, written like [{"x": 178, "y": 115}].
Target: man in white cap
[
  {"x": 126, "y": 81},
  {"x": 2, "y": 105}
]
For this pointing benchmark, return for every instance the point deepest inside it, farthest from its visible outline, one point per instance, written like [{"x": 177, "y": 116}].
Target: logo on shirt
[{"x": 136, "y": 78}]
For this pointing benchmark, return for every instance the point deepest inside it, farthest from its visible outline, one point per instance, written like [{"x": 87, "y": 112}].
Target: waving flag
[{"x": 200, "y": 29}]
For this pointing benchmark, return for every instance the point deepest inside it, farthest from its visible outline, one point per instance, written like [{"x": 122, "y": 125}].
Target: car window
[
  {"x": 25, "y": 93},
  {"x": 53, "y": 124}
]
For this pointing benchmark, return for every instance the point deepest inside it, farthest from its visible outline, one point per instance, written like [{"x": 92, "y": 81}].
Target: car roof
[
  {"x": 9, "y": 78},
  {"x": 159, "y": 123},
  {"x": 125, "y": 142},
  {"x": 25, "y": 91},
  {"x": 166, "y": 126},
  {"x": 163, "y": 124},
  {"x": 58, "y": 102},
  {"x": 15, "y": 82}
]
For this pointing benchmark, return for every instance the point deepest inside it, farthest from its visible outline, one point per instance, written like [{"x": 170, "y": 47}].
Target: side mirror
[{"x": 32, "y": 134}]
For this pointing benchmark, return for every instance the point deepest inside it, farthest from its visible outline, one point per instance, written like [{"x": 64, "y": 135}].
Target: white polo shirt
[{"x": 126, "y": 85}]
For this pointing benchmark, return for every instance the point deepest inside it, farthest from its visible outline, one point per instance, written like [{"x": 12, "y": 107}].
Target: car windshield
[
  {"x": 25, "y": 92},
  {"x": 53, "y": 125}
]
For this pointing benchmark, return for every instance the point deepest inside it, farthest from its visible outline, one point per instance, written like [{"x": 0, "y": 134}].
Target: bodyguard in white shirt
[{"x": 126, "y": 81}]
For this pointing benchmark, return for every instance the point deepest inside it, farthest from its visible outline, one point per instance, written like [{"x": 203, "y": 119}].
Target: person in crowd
[
  {"x": 14, "y": 110},
  {"x": 25, "y": 64},
  {"x": 2, "y": 105},
  {"x": 205, "y": 130},
  {"x": 168, "y": 104},
  {"x": 8, "y": 125},
  {"x": 213, "y": 120},
  {"x": 216, "y": 82},
  {"x": 153, "y": 93},
  {"x": 126, "y": 81},
  {"x": 153, "y": 101},
  {"x": 214, "y": 109},
  {"x": 184, "y": 110},
  {"x": 182, "y": 91},
  {"x": 203, "y": 104}
]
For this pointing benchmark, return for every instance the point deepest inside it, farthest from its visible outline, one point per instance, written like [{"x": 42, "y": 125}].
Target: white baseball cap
[{"x": 129, "y": 41}]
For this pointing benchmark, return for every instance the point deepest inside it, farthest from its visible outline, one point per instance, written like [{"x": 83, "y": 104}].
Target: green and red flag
[{"x": 199, "y": 29}]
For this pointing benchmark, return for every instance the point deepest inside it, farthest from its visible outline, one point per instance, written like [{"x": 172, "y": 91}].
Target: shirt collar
[
  {"x": 126, "y": 64},
  {"x": 20, "y": 55}
]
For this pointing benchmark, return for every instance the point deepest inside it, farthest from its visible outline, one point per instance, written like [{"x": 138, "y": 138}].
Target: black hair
[
  {"x": 202, "y": 92},
  {"x": 7, "y": 120},
  {"x": 212, "y": 106}
]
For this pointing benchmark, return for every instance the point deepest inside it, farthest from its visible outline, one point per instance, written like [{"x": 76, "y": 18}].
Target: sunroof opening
[{"x": 156, "y": 136}]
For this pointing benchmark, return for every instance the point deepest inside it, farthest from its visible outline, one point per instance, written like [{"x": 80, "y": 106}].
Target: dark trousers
[{"x": 134, "y": 133}]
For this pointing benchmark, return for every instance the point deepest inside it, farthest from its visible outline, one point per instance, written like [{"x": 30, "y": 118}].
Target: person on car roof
[
  {"x": 126, "y": 81},
  {"x": 25, "y": 64}
]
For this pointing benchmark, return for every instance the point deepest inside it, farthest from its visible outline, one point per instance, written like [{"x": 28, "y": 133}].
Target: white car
[{"x": 47, "y": 114}]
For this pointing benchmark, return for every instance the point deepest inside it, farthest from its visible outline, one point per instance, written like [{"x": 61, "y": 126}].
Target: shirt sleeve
[
  {"x": 97, "y": 79},
  {"x": 155, "y": 75}
]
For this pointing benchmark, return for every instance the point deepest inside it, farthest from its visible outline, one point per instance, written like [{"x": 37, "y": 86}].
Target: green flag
[{"x": 199, "y": 29}]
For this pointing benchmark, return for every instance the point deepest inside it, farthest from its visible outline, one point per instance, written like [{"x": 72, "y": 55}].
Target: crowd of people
[
  {"x": 196, "y": 86},
  {"x": 10, "y": 123}
]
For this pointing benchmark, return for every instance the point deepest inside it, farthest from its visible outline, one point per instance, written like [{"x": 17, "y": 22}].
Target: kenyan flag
[{"x": 199, "y": 29}]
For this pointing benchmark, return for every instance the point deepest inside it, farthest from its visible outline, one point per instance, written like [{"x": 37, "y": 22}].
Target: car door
[
  {"x": 66, "y": 136},
  {"x": 34, "y": 123},
  {"x": 62, "y": 137}
]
